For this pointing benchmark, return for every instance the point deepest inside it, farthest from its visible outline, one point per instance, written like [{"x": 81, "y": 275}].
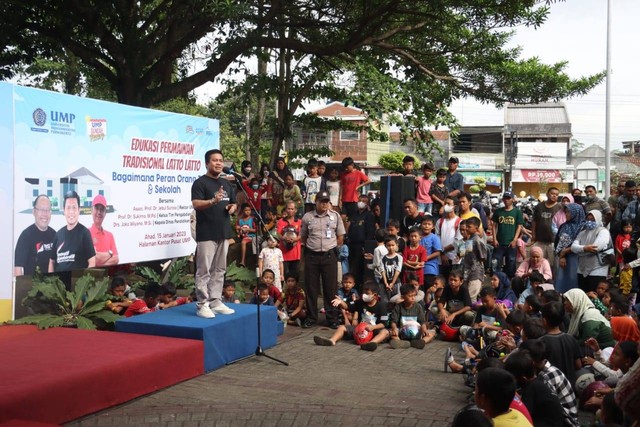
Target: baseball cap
[
  {"x": 99, "y": 200},
  {"x": 453, "y": 160},
  {"x": 323, "y": 195},
  {"x": 507, "y": 195}
]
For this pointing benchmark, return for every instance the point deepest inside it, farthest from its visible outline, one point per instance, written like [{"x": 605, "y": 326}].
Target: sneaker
[
  {"x": 447, "y": 357},
  {"x": 218, "y": 307},
  {"x": 399, "y": 344},
  {"x": 418, "y": 343},
  {"x": 308, "y": 324},
  {"x": 369, "y": 346},
  {"x": 325, "y": 342},
  {"x": 299, "y": 322},
  {"x": 205, "y": 312}
]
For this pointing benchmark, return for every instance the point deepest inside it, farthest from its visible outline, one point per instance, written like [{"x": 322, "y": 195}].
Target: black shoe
[
  {"x": 326, "y": 342},
  {"x": 418, "y": 343},
  {"x": 308, "y": 323},
  {"x": 369, "y": 346}
]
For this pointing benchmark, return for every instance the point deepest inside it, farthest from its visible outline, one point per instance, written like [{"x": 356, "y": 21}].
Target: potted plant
[{"x": 83, "y": 308}]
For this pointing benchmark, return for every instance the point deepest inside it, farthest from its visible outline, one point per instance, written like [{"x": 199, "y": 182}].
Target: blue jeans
[
  {"x": 509, "y": 255},
  {"x": 425, "y": 207}
]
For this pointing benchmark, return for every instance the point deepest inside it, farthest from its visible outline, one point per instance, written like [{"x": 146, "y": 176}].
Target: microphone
[{"x": 230, "y": 171}]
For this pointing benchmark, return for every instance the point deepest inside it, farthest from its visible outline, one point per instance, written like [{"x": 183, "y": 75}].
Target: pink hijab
[
  {"x": 560, "y": 218},
  {"x": 536, "y": 250}
]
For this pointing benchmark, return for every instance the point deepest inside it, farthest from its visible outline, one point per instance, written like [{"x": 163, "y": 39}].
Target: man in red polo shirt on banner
[{"x": 103, "y": 242}]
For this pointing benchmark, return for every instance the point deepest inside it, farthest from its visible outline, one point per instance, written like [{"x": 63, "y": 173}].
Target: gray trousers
[{"x": 211, "y": 265}]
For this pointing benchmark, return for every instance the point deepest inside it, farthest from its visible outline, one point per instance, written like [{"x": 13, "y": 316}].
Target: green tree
[{"x": 393, "y": 161}]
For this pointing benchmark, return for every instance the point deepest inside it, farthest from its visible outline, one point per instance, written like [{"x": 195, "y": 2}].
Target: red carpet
[{"x": 61, "y": 374}]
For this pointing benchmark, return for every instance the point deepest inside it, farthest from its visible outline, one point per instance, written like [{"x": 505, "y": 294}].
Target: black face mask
[{"x": 577, "y": 199}]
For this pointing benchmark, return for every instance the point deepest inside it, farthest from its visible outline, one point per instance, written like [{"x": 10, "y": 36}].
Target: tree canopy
[{"x": 400, "y": 61}]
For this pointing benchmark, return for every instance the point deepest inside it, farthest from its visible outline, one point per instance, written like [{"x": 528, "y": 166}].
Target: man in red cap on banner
[{"x": 105, "y": 245}]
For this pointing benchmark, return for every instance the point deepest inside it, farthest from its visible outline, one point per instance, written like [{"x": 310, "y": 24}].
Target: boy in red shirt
[
  {"x": 351, "y": 181},
  {"x": 414, "y": 256},
  {"x": 147, "y": 304}
]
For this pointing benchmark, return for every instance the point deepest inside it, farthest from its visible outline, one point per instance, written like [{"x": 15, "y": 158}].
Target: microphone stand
[{"x": 263, "y": 228}]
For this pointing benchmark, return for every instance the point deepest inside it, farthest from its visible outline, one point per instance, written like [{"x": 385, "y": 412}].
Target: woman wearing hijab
[
  {"x": 593, "y": 238},
  {"x": 536, "y": 262},
  {"x": 586, "y": 321},
  {"x": 504, "y": 294},
  {"x": 560, "y": 218},
  {"x": 567, "y": 261},
  {"x": 280, "y": 172}
]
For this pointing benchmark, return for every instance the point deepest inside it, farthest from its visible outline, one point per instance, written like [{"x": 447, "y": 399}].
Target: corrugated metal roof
[{"x": 545, "y": 113}]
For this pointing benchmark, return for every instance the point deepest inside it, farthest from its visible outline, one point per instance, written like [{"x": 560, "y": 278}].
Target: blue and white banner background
[{"x": 142, "y": 161}]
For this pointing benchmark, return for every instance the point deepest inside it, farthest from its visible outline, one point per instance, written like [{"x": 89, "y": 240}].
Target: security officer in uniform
[{"x": 321, "y": 233}]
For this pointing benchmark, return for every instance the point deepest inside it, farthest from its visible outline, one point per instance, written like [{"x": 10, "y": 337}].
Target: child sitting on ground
[
  {"x": 495, "y": 390},
  {"x": 532, "y": 306},
  {"x": 229, "y": 293},
  {"x": 117, "y": 302},
  {"x": 490, "y": 316},
  {"x": 367, "y": 324},
  {"x": 147, "y": 304},
  {"x": 433, "y": 294},
  {"x": 596, "y": 297},
  {"x": 246, "y": 230},
  {"x": 412, "y": 280},
  {"x": 270, "y": 258},
  {"x": 347, "y": 292},
  {"x": 262, "y": 296},
  {"x": 454, "y": 306},
  {"x": 168, "y": 297},
  {"x": 408, "y": 322},
  {"x": 268, "y": 278},
  {"x": 294, "y": 299}
]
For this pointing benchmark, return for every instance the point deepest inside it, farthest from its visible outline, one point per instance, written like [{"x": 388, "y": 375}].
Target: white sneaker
[
  {"x": 205, "y": 312},
  {"x": 218, "y": 307}
]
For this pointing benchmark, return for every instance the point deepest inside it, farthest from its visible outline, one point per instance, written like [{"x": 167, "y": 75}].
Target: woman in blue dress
[{"x": 566, "y": 261}]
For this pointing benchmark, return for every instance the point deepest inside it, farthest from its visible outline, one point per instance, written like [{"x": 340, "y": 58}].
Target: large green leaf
[
  {"x": 32, "y": 320},
  {"x": 51, "y": 322},
  {"x": 97, "y": 292},
  {"x": 92, "y": 307},
  {"x": 84, "y": 323}
]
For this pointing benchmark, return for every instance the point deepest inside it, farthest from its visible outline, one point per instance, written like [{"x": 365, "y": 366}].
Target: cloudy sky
[{"x": 576, "y": 32}]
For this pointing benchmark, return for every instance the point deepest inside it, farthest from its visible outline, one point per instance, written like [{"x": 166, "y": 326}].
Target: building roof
[{"x": 531, "y": 114}]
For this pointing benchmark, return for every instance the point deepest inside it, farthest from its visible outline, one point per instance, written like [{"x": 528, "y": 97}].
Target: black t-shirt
[
  {"x": 409, "y": 222},
  {"x": 361, "y": 227},
  {"x": 454, "y": 302},
  {"x": 542, "y": 216},
  {"x": 562, "y": 352},
  {"x": 73, "y": 248},
  {"x": 34, "y": 248},
  {"x": 543, "y": 404},
  {"x": 371, "y": 314},
  {"x": 212, "y": 223}
]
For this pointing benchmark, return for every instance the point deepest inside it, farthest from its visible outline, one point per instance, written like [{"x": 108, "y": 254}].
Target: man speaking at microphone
[{"x": 213, "y": 199}]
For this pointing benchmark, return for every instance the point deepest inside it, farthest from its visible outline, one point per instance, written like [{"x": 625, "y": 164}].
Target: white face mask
[
  {"x": 367, "y": 298},
  {"x": 361, "y": 205},
  {"x": 448, "y": 208}
]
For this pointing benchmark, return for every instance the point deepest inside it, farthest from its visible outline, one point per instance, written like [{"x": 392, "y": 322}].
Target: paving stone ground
[{"x": 322, "y": 386}]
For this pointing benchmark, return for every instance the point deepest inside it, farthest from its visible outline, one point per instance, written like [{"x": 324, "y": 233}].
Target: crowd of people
[{"x": 547, "y": 310}]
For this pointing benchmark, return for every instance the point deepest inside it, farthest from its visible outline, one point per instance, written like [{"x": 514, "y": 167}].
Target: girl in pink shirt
[{"x": 425, "y": 203}]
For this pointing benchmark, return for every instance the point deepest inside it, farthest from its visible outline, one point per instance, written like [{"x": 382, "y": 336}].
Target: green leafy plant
[
  {"x": 177, "y": 273},
  {"x": 83, "y": 308},
  {"x": 393, "y": 161}
]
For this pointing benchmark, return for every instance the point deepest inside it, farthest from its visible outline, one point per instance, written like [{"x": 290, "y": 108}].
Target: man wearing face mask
[
  {"x": 448, "y": 228},
  {"x": 360, "y": 228},
  {"x": 593, "y": 202}
]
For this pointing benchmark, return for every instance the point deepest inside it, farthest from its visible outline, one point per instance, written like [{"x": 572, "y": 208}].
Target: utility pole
[{"x": 511, "y": 160}]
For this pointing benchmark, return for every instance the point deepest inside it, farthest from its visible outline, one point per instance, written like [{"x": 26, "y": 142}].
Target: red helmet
[
  {"x": 448, "y": 332},
  {"x": 361, "y": 335},
  {"x": 589, "y": 392}
]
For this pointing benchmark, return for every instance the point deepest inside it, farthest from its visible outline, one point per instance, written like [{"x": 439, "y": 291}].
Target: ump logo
[{"x": 40, "y": 119}]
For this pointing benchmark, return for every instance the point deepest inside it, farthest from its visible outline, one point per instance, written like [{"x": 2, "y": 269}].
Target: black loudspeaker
[{"x": 394, "y": 190}]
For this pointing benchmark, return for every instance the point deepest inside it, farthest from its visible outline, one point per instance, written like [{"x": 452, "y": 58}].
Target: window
[
  {"x": 587, "y": 175},
  {"x": 34, "y": 192},
  {"x": 349, "y": 135},
  {"x": 49, "y": 183},
  {"x": 89, "y": 193},
  {"x": 49, "y": 193}
]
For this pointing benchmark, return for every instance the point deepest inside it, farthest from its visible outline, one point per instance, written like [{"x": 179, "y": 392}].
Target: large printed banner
[{"x": 131, "y": 168}]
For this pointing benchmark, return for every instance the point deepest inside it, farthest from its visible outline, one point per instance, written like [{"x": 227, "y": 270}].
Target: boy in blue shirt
[{"x": 431, "y": 242}]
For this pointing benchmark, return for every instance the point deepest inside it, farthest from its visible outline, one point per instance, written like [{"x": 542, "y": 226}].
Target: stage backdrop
[{"x": 141, "y": 161}]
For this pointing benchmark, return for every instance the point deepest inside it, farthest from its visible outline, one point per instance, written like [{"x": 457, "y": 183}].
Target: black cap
[
  {"x": 453, "y": 160},
  {"x": 323, "y": 195}
]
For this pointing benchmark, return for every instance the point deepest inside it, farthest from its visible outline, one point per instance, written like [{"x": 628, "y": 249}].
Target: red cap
[{"x": 99, "y": 200}]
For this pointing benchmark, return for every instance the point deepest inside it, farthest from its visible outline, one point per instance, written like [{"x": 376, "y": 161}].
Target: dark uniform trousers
[{"x": 320, "y": 268}]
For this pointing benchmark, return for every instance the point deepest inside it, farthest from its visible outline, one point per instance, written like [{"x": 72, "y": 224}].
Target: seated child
[
  {"x": 536, "y": 279},
  {"x": 262, "y": 296},
  {"x": 147, "y": 304},
  {"x": 495, "y": 391},
  {"x": 268, "y": 277},
  {"x": 294, "y": 299},
  {"x": 434, "y": 292},
  {"x": 532, "y": 306},
  {"x": 408, "y": 322},
  {"x": 412, "y": 280},
  {"x": 623, "y": 326},
  {"x": 117, "y": 302},
  {"x": 229, "y": 293},
  {"x": 490, "y": 316},
  {"x": 367, "y": 324},
  {"x": 168, "y": 297},
  {"x": 596, "y": 297},
  {"x": 454, "y": 306},
  {"x": 555, "y": 380},
  {"x": 347, "y": 292},
  {"x": 246, "y": 230}
]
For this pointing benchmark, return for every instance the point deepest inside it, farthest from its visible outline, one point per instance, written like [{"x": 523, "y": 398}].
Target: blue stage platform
[{"x": 226, "y": 337}]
